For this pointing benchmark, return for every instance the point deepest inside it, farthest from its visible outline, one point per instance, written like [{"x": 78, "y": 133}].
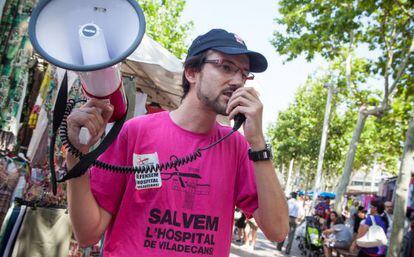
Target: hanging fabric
[
  {"x": 10, "y": 10},
  {"x": 130, "y": 89},
  {"x": 6, "y": 141},
  {"x": 45, "y": 232},
  {"x": 14, "y": 65},
  {"x": 29, "y": 113},
  {"x": 12, "y": 228},
  {"x": 47, "y": 87},
  {"x": 9, "y": 176}
]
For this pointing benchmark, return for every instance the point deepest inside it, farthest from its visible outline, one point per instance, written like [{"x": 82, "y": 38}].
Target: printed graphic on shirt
[
  {"x": 147, "y": 180},
  {"x": 176, "y": 231},
  {"x": 188, "y": 183}
]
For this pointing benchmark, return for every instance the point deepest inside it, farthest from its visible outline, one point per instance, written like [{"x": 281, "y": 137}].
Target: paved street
[{"x": 263, "y": 248}]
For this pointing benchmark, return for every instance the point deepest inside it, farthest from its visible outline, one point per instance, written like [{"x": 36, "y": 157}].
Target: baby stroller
[{"x": 310, "y": 243}]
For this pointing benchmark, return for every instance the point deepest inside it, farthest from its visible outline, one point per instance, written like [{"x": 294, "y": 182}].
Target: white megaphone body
[
  {"x": 91, "y": 37},
  {"x": 104, "y": 83}
]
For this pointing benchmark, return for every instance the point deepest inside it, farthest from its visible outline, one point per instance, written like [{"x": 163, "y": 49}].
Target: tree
[
  {"x": 328, "y": 27},
  {"x": 401, "y": 195},
  {"x": 164, "y": 26},
  {"x": 404, "y": 100},
  {"x": 296, "y": 134}
]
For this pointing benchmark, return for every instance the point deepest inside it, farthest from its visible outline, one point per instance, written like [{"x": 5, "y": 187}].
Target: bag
[
  {"x": 374, "y": 237},
  {"x": 314, "y": 238}
]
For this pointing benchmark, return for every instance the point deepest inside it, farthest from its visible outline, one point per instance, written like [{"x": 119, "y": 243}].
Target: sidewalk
[{"x": 264, "y": 248}]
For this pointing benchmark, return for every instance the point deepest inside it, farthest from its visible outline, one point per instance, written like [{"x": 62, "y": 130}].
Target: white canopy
[{"x": 158, "y": 73}]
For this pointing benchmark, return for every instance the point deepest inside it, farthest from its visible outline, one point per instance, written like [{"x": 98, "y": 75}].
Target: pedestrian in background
[{"x": 296, "y": 213}]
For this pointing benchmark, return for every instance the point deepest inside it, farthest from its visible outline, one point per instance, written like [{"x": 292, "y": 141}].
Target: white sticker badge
[{"x": 147, "y": 180}]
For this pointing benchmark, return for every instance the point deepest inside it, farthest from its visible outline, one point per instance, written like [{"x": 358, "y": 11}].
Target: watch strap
[{"x": 261, "y": 155}]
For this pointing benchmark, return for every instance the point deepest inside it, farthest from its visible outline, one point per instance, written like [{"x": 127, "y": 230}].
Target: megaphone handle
[{"x": 84, "y": 136}]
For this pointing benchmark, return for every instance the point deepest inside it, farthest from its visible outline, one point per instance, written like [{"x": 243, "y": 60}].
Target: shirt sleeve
[
  {"x": 368, "y": 220},
  {"x": 337, "y": 227},
  {"x": 246, "y": 198},
  {"x": 108, "y": 187}
]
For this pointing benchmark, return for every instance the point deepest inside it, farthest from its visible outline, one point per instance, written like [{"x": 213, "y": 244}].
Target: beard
[{"x": 214, "y": 102}]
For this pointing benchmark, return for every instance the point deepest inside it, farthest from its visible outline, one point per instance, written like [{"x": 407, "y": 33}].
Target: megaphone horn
[
  {"x": 91, "y": 37},
  {"x": 58, "y": 29}
]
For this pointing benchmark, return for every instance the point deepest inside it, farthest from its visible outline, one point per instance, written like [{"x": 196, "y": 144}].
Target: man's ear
[{"x": 190, "y": 75}]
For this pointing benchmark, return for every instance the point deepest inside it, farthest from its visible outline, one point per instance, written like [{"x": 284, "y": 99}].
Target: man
[
  {"x": 186, "y": 210},
  {"x": 388, "y": 213},
  {"x": 296, "y": 213}
]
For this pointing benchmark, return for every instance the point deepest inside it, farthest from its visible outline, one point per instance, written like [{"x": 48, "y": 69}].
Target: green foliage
[
  {"x": 164, "y": 26},
  {"x": 312, "y": 27},
  {"x": 335, "y": 29},
  {"x": 297, "y": 131}
]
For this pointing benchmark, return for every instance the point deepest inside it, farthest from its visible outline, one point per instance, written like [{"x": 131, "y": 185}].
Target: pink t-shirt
[{"x": 191, "y": 214}]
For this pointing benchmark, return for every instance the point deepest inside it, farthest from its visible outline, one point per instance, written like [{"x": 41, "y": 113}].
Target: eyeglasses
[{"x": 229, "y": 68}]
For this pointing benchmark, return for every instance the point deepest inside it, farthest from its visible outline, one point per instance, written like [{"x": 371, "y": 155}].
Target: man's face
[
  {"x": 215, "y": 84},
  {"x": 388, "y": 207}
]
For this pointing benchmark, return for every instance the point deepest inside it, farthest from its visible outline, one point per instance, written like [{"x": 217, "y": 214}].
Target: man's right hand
[{"x": 94, "y": 116}]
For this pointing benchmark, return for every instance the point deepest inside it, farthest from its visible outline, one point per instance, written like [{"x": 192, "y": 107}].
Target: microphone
[{"x": 239, "y": 119}]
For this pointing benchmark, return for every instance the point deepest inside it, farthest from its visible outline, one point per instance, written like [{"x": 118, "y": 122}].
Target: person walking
[{"x": 296, "y": 213}]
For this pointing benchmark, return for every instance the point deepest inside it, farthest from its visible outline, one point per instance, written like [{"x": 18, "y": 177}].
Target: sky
[{"x": 254, "y": 22}]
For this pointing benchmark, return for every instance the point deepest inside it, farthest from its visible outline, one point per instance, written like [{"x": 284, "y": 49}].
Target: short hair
[
  {"x": 340, "y": 220},
  {"x": 377, "y": 203},
  {"x": 195, "y": 62}
]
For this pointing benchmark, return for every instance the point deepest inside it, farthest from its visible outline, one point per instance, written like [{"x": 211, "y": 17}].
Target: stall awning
[{"x": 158, "y": 72}]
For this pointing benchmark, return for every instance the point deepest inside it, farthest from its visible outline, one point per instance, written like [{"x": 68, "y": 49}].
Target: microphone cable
[{"x": 238, "y": 121}]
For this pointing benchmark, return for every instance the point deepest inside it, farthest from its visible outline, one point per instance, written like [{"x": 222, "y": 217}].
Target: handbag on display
[{"x": 374, "y": 237}]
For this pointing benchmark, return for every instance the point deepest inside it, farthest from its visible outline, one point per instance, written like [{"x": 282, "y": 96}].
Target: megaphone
[{"x": 91, "y": 37}]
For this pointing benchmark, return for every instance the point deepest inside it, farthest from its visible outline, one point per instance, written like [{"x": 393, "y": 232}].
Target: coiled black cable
[{"x": 63, "y": 132}]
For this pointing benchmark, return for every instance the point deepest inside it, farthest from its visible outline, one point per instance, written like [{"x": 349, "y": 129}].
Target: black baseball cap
[{"x": 227, "y": 43}]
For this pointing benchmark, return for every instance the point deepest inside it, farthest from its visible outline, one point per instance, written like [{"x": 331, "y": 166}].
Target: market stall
[{"x": 28, "y": 89}]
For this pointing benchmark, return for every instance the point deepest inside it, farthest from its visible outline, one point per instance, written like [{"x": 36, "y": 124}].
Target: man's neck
[{"x": 193, "y": 118}]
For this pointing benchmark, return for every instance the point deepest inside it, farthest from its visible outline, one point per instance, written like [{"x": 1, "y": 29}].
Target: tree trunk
[
  {"x": 297, "y": 177},
  {"x": 346, "y": 175},
  {"x": 401, "y": 195},
  {"x": 324, "y": 137},
  {"x": 289, "y": 177},
  {"x": 282, "y": 173}
]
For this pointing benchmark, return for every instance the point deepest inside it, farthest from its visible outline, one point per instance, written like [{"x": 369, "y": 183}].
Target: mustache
[{"x": 228, "y": 91}]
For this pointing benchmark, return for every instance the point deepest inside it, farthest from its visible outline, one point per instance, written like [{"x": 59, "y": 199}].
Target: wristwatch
[{"x": 261, "y": 155}]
